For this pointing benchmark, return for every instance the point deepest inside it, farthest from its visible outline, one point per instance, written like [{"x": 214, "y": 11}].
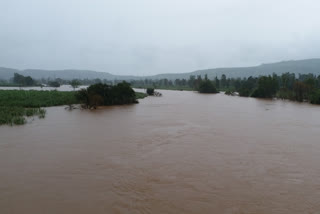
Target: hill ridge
[{"x": 304, "y": 66}]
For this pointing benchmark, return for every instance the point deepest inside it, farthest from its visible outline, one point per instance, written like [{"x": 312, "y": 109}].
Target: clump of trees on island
[
  {"x": 150, "y": 91},
  {"x": 206, "y": 86},
  {"x": 21, "y": 80},
  {"x": 103, "y": 95}
]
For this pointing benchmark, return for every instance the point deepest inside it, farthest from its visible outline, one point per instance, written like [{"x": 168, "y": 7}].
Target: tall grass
[
  {"x": 34, "y": 99},
  {"x": 17, "y": 115},
  {"x": 17, "y": 105},
  {"x": 140, "y": 95}
]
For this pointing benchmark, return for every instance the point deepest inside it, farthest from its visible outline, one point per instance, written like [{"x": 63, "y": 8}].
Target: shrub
[
  {"x": 207, "y": 87},
  {"x": 150, "y": 91},
  {"x": 103, "y": 94}
]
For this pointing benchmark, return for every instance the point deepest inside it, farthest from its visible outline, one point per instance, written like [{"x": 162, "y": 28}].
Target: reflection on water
[{"x": 180, "y": 153}]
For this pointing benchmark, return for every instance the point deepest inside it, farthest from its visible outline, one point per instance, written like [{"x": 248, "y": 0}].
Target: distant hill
[
  {"x": 7, "y": 73},
  {"x": 294, "y": 66}
]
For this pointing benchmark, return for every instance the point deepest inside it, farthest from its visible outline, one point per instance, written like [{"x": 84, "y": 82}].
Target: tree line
[{"x": 302, "y": 87}]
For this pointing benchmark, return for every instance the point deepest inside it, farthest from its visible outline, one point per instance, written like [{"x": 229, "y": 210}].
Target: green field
[
  {"x": 17, "y": 105},
  {"x": 36, "y": 99}
]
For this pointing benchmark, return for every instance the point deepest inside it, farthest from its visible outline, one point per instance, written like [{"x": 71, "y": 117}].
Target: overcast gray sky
[{"x": 144, "y": 37}]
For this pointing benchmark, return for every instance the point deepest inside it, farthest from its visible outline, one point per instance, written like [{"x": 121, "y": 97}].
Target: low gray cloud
[{"x": 145, "y": 37}]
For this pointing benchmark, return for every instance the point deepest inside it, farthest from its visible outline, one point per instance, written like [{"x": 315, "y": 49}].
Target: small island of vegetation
[
  {"x": 206, "y": 86},
  {"x": 103, "y": 95}
]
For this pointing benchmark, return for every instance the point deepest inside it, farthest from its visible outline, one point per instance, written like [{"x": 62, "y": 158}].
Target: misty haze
[{"x": 181, "y": 106}]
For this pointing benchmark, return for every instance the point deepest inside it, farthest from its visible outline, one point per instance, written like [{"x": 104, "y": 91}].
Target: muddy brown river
[{"x": 180, "y": 153}]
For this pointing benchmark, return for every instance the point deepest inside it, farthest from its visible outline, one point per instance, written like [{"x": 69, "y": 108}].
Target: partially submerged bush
[
  {"x": 315, "y": 97},
  {"x": 229, "y": 92},
  {"x": 150, "y": 91},
  {"x": 55, "y": 84},
  {"x": 103, "y": 95},
  {"x": 207, "y": 87},
  {"x": 17, "y": 115}
]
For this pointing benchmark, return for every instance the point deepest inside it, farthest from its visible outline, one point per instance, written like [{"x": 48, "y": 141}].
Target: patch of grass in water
[
  {"x": 42, "y": 113},
  {"x": 140, "y": 95},
  {"x": 17, "y": 115}
]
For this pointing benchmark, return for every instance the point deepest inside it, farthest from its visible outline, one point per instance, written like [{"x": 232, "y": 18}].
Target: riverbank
[{"x": 17, "y": 105}]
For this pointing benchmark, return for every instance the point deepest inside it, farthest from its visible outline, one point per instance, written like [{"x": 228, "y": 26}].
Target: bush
[
  {"x": 267, "y": 87},
  {"x": 229, "y": 92},
  {"x": 103, "y": 94},
  {"x": 55, "y": 84},
  {"x": 244, "y": 92},
  {"x": 150, "y": 91},
  {"x": 207, "y": 87},
  {"x": 17, "y": 115},
  {"x": 315, "y": 97}
]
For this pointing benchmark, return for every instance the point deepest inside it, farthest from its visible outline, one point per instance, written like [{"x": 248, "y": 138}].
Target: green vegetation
[
  {"x": 267, "y": 87},
  {"x": 36, "y": 99},
  {"x": 304, "y": 87},
  {"x": 206, "y": 86},
  {"x": 17, "y": 115},
  {"x": 55, "y": 84},
  {"x": 102, "y": 95},
  {"x": 229, "y": 92},
  {"x": 140, "y": 95},
  {"x": 150, "y": 91},
  {"x": 22, "y": 80},
  {"x": 16, "y": 105},
  {"x": 75, "y": 83}
]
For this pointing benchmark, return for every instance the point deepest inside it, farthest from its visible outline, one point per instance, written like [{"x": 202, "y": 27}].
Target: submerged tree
[
  {"x": 150, "y": 91},
  {"x": 75, "y": 83},
  {"x": 207, "y": 86},
  {"x": 267, "y": 87},
  {"x": 22, "y": 80},
  {"x": 103, "y": 94},
  {"x": 54, "y": 84}
]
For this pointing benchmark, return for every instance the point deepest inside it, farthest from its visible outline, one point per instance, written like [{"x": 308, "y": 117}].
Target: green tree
[
  {"x": 207, "y": 86},
  {"x": 22, "y": 80},
  {"x": 267, "y": 87},
  {"x": 223, "y": 82},
  {"x": 150, "y": 91},
  {"x": 75, "y": 83},
  {"x": 103, "y": 94}
]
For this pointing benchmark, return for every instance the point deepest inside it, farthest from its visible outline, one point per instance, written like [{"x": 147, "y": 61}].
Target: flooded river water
[{"x": 180, "y": 153}]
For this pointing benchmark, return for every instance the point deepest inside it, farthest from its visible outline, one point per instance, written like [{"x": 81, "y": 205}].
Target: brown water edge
[{"x": 180, "y": 153}]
